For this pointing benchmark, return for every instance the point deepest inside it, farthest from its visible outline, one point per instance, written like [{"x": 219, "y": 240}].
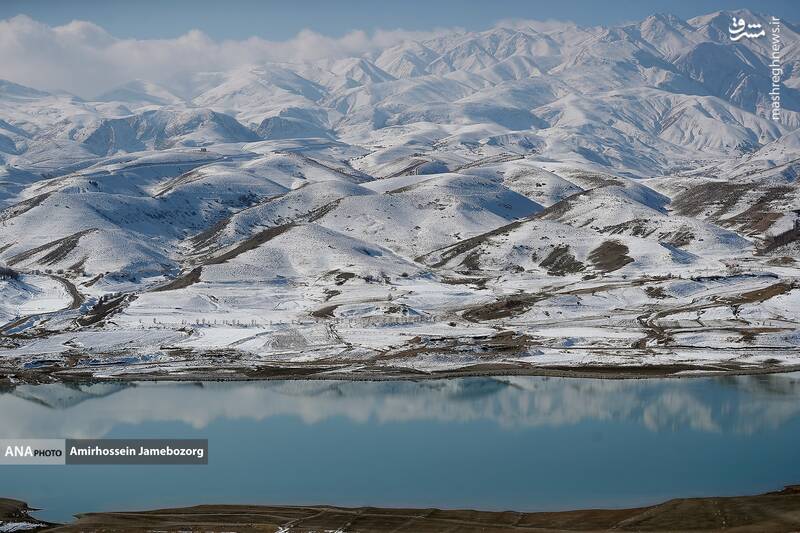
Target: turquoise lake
[{"x": 519, "y": 443}]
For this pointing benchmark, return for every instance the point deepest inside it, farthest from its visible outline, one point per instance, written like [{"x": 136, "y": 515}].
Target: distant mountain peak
[{"x": 15, "y": 90}]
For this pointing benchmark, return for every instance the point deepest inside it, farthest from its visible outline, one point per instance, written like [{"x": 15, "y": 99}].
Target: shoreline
[
  {"x": 9, "y": 379},
  {"x": 771, "y": 511}
]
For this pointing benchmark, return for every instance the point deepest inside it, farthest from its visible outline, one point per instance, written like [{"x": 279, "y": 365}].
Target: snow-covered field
[
  {"x": 31, "y": 295},
  {"x": 517, "y": 199}
]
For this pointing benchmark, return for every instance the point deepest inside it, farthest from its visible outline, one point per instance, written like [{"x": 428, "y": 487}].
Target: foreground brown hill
[{"x": 775, "y": 511}]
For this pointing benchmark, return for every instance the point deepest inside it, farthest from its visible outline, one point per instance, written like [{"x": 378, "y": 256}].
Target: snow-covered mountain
[{"x": 625, "y": 178}]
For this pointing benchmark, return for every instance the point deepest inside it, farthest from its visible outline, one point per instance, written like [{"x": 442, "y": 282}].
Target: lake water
[{"x": 521, "y": 443}]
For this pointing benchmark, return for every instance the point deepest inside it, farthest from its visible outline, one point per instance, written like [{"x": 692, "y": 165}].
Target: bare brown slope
[
  {"x": 15, "y": 511},
  {"x": 773, "y": 512}
]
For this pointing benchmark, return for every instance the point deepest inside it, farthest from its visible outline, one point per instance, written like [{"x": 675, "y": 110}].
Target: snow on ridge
[{"x": 477, "y": 188}]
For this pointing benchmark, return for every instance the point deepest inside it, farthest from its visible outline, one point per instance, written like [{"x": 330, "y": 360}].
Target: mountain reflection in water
[{"x": 740, "y": 404}]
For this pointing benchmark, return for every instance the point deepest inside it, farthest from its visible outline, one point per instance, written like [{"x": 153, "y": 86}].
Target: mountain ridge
[{"x": 485, "y": 190}]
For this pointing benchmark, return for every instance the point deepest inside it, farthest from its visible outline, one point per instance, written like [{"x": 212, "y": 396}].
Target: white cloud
[
  {"x": 544, "y": 26},
  {"x": 83, "y": 58}
]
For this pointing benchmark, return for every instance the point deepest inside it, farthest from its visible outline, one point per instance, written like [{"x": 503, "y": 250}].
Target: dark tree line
[{"x": 8, "y": 273}]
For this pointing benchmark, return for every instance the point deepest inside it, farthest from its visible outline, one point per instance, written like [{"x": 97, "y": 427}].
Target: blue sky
[{"x": 278, "y": 20}]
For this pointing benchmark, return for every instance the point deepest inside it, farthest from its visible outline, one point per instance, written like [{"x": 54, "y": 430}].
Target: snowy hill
[
  {"x": 477, "y": 188},
  {"x": 140, "y": 93}
]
